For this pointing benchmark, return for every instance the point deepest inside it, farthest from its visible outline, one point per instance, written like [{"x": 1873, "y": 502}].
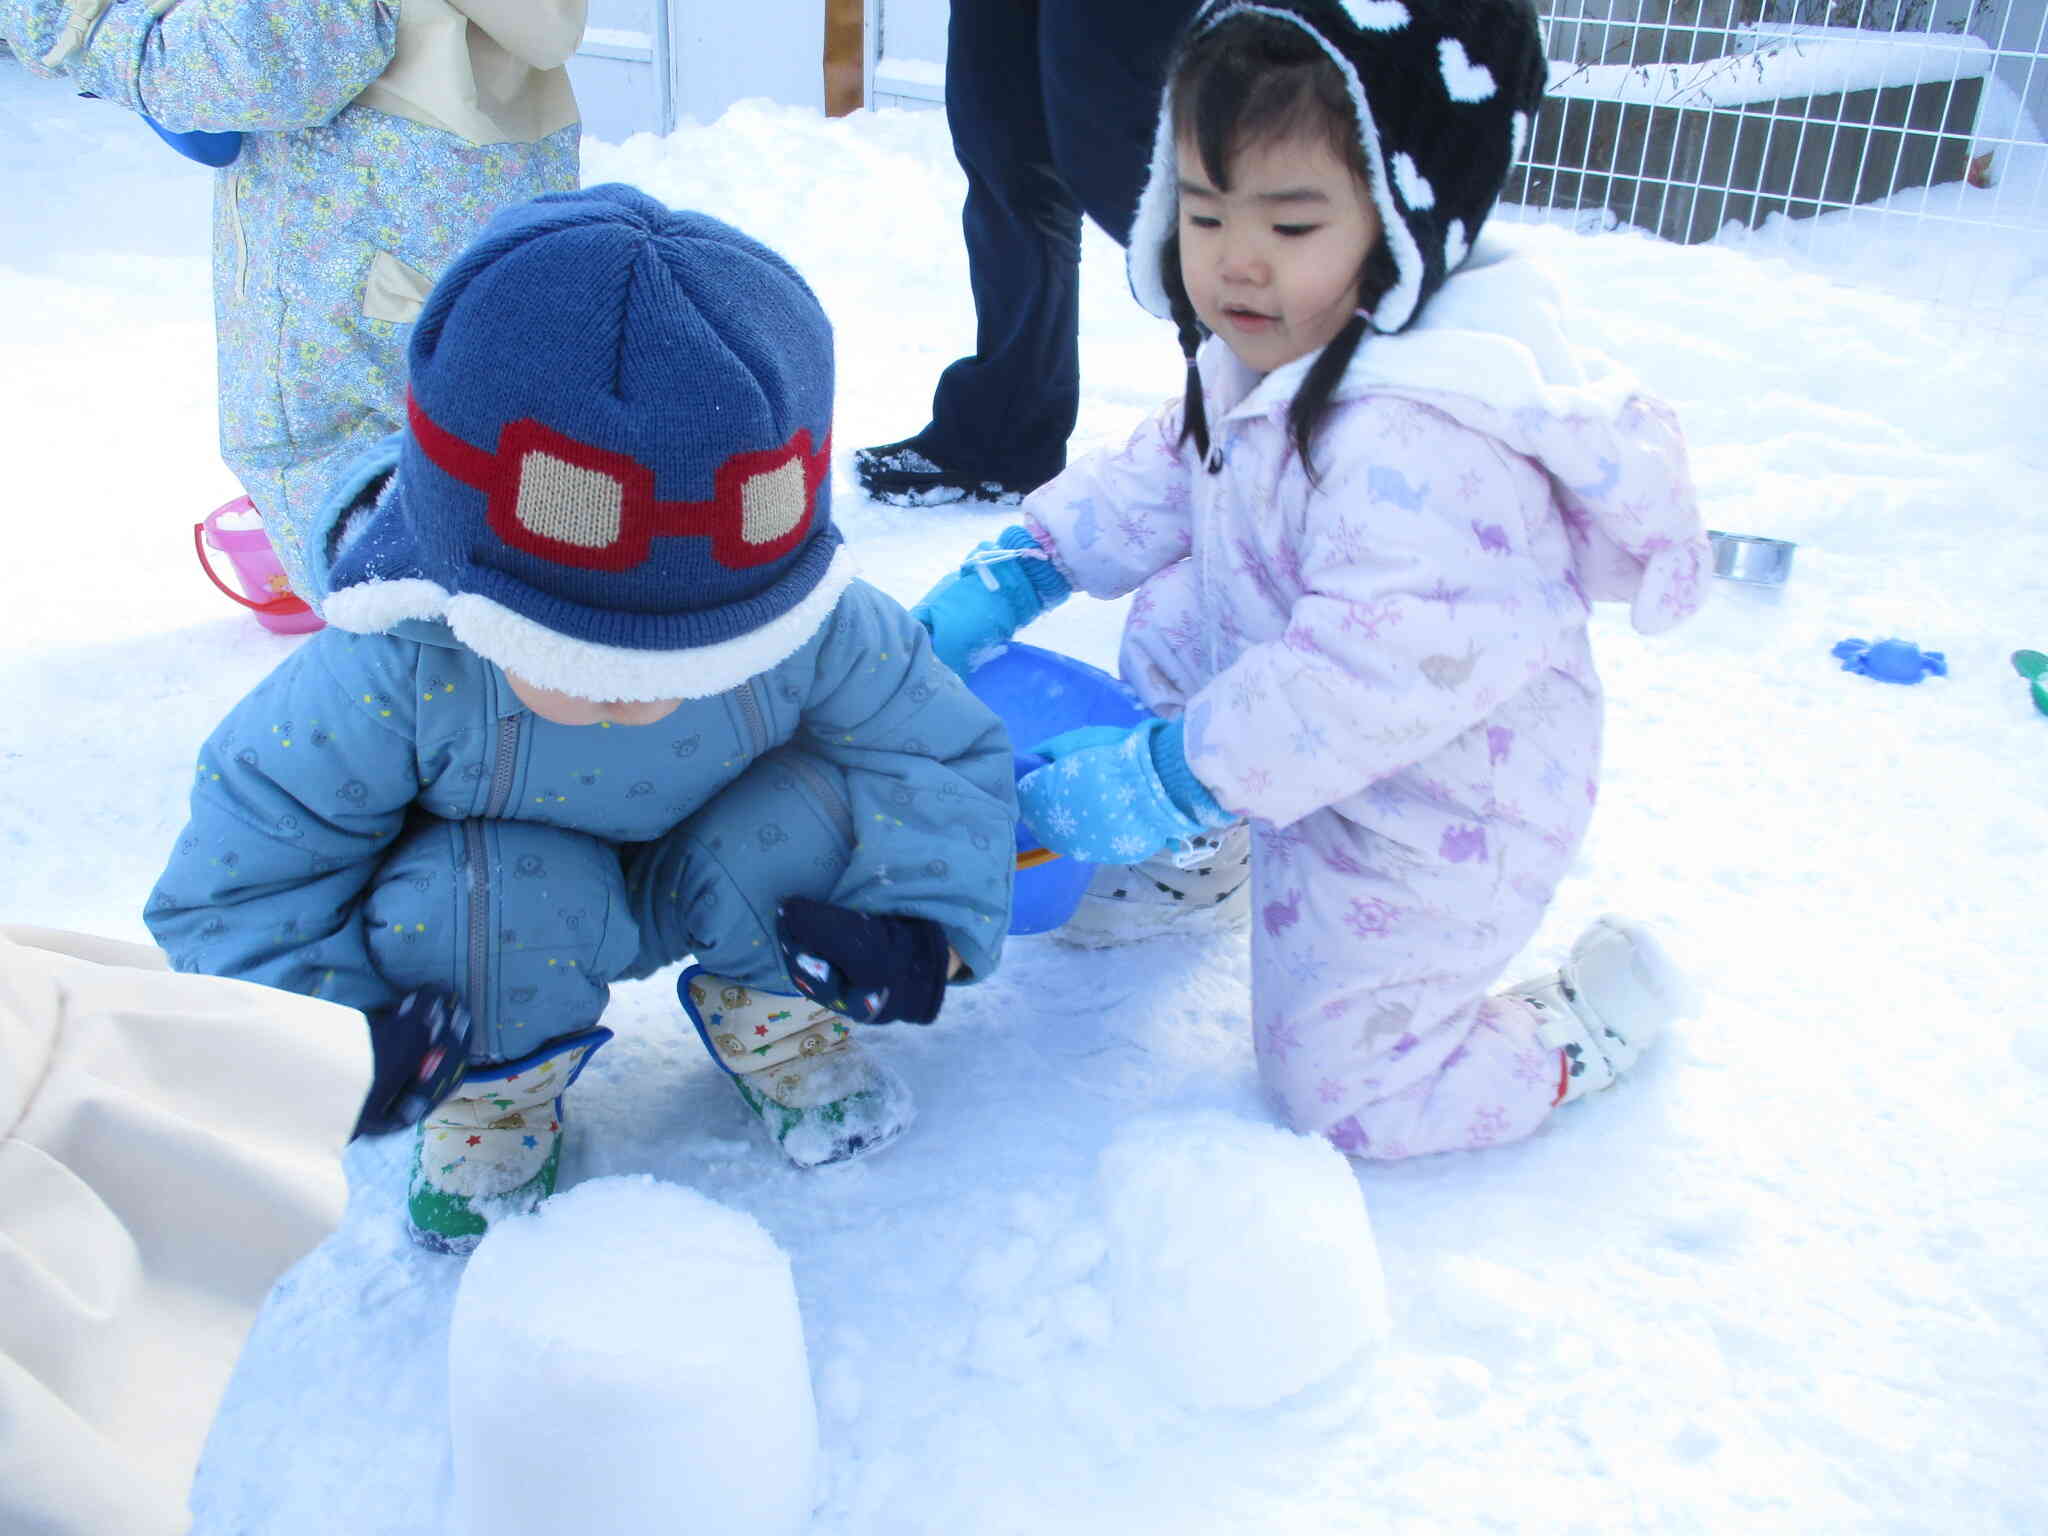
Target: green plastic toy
[{"x": 2032, "y": 665}]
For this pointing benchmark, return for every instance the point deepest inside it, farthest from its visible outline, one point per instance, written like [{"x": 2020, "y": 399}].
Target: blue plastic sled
[{"x": 1037, "y": 694}]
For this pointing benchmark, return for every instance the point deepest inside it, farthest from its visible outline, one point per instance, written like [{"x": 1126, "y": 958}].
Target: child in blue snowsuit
[
  {"x": 362, "y": 145},
  {"x": 601, "y": 690}
]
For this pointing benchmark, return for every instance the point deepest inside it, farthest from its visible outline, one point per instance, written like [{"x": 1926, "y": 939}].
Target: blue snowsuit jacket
[{"x": 365, "y": 770}]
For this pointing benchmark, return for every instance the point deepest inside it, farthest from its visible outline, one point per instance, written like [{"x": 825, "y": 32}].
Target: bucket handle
[{"x": 288, "y": 602}]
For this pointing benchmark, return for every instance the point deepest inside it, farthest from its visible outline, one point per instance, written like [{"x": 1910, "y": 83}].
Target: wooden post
[{"x": 844, "y": 24}]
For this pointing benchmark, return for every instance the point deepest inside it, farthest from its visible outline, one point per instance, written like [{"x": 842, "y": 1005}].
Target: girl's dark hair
[{"x": 1253, "y": 80}]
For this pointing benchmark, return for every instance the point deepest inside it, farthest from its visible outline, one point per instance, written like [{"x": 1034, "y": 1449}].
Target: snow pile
[
  {"x": 1779, "y": 68},
  {"x": 629, "y": 1358},
  {"x": 1241, "y": 1263}
]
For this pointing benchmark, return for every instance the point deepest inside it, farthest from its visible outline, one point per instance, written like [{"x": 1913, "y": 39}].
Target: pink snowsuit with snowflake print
[{"x": 1387, "y": 668}]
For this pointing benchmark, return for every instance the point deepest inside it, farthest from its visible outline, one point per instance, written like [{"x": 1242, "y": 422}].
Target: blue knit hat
[{"x": 614, "y": 478}]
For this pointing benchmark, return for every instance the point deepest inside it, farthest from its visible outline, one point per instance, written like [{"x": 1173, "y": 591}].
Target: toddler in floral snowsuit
[
  {"x": 361, "y": 146},
  {"x": 1363, "y": 549}
]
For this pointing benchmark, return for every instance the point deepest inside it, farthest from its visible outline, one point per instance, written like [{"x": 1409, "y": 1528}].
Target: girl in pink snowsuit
[{"x": 1363, "y": 550}]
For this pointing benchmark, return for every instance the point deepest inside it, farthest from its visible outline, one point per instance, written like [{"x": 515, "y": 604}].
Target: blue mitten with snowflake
[
  {"x": 1115, "y": 794},
  {"x": 999, "y": 588}
]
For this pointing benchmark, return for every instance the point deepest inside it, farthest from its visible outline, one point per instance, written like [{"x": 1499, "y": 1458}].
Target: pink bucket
[{"x": 277, "y": 608}]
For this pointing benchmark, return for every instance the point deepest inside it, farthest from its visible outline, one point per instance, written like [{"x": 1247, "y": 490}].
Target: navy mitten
[
  {"x": 421, "y": 1049},
  {"x": 873, "y": 969}
]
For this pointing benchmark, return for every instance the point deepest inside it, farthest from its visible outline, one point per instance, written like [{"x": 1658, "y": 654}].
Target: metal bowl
[{"x": 1745, "y": 557}]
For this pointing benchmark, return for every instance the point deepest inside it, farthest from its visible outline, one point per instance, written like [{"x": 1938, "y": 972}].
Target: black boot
[{"x": 903, "y": 475}]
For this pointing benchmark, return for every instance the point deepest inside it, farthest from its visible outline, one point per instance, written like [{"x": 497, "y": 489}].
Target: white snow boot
[
  {"x": 1614, "y": 995},
  {"x": 798, "y": 1068},
  {"x": 1202, "y": 888}
]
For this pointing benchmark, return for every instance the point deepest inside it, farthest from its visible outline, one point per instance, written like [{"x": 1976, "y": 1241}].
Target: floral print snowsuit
[
  {"x": 1387, "y": 668},
  {"x": 333, "y": 221}
]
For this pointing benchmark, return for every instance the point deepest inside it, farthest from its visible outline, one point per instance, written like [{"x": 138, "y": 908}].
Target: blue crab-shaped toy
[{"x": 1890, "y": 661}]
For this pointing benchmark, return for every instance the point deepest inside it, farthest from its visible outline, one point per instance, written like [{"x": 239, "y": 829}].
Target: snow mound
[
  {"x": 602, "y": 1353},
  {"x": 1242, "y": 1268}
]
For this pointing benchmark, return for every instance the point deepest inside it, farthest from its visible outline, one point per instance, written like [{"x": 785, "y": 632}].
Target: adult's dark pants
[{"x": 1052, "y": 105}]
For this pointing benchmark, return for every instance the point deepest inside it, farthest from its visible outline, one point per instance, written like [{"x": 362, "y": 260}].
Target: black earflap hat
[{"x": 1445, "y": 93}]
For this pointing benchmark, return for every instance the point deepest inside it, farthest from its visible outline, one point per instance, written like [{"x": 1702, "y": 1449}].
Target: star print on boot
[
  {"x": 495, "y": 1148},
  {"x": 798, "y": 1068}
]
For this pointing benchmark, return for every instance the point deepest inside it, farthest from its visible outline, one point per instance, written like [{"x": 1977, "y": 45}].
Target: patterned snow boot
[
  {"x": 492, "y": 1151},
  {"x": 798, "y": 1068},
  {"x": 1203, "y": 889},
  {"x": 1615, "y": 994}
]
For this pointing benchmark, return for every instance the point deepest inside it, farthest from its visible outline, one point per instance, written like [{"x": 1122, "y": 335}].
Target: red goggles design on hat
[{"x": 574, "y": 504}]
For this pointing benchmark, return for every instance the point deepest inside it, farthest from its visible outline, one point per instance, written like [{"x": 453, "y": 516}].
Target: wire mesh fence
[{"x": 1900, "y": 138}]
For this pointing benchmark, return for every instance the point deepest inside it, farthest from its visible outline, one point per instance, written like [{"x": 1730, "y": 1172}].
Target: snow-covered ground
[{"x": 1785, "y": 1278}]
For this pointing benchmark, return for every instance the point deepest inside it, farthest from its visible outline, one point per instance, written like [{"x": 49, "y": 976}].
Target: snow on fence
[{"x": 1920, "y": 128}]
